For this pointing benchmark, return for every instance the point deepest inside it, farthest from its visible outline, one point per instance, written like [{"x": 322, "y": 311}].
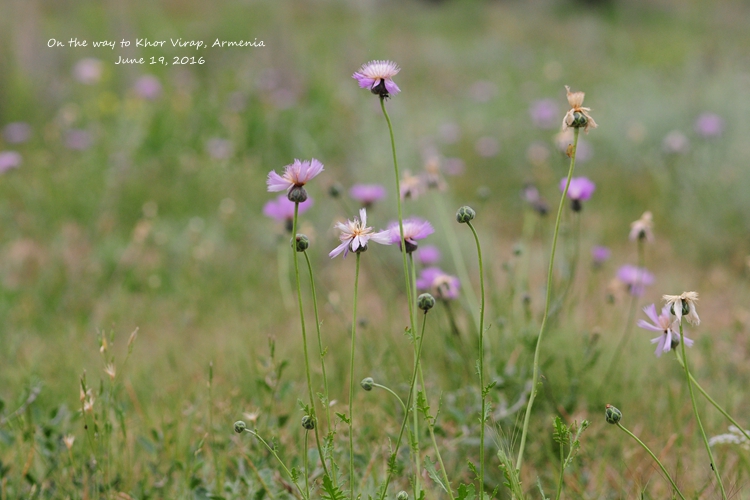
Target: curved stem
[
  {"x": 351, "y": 383},
  {"x": 654, "y": 457},
  {"x": 388, "y": 389},
  {"x": 697, "y": 416},
  {"x": 304, "y": 335},
  {"x": 537, "y": 350},
  {"x": 276, "y": 455},
  {"x": 483, "y": 415}
]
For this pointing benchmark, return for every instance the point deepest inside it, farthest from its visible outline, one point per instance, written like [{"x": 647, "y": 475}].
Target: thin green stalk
[
  {"x": 697, "y": 416},
  {"x": 562, "y": 472},
  {"x": 663, "y": 469},
  {"x": 304, "y": 462},
  {"x": 711, "y": 400},
  {"x": 283, "y": 466},
  {"x": 537, "y": 350},
  {"x": 351, "y": 383},
  {"x": 304, "y": 335},
  {"x": 415, "y": 414},
  {"x": 401, "y": 401},
  {"x": 483, "y": 416}
]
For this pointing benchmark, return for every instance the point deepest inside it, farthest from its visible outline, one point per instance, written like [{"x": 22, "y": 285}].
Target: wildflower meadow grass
[{"x": 391, "y": 253}]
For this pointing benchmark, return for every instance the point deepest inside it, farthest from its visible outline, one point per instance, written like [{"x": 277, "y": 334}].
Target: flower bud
[
  {"x": 334, "y": 191},
  {"x": 612, "y": 414},
  {"x": 367, "y": 383},
  {"x": 402, "y": 495},
  {"x": 297, "y": 194},
  {"x": 302, "y": 243},
  {"x": 465, "y": 214},
  {"x": 308, "y": 422},
  {"x": 239, "y": 426},
  {"x": 579, "y": 120},
  {"x": 425, "y": 302}
]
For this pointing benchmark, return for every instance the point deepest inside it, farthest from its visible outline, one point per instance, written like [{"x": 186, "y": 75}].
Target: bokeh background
[{"x": 131, "y": 195}]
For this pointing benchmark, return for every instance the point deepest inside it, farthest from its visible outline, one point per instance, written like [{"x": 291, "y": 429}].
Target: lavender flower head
[
  {"x": 88, "y": 71},
  {"x": 600, "y": 254},
  {"x": 580, "y": 189},
  {"x": 17, "y": 132},
  {"x": 544, "y": 113},
  {"x": 635, "y": 278},
  {"x": 414, "y": 229},
  {"x": 148, "y": 87},
  {"x": 367, "y": 194},
  {"x": 428, "y": 255},
  {"x": 441, "y": 285},
  {"x": 9, "y": 160},
  {"x": 709, "y": 125},
  {"x": 281, "y": 209},
  {"x": 294, "y": 178},
  {"x": 378, "y": 77},
  {"x": 670, "y": 336},
  {"x": 355, "y": 235}
]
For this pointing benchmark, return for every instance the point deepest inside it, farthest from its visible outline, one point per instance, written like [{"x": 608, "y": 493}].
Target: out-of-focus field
[{"x": 138, "y": 204}]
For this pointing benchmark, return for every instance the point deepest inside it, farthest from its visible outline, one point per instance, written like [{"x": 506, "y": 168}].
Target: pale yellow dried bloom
[
  {"x": 69, "y": 440},
  {"x": 643, "y": 228},
  {"x": 103, "y": 347},
  {"x": 88, "y": 405},
  {"x": 680, "y": 303},
  {"x": 575, "y": 100},
  {"x": 110, "y": 370},
  {"x": 132, "y": 337}
]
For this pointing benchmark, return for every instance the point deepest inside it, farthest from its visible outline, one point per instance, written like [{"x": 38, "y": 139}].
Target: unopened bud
[
  {"x": 297, "y": 194},
  {"x": 579, "y": 120},
  {"x": 367, "y": 383},
  {"x": 308, "y": 422},
  {"x": 465, "y": 214},
  {"x": 302, "y": 243},
  {"x": 425, "y": 302},
  {"x": 612, "y": 414},
  {"x": 402, "y": 495},
  {"x": 239, "y": 426}
]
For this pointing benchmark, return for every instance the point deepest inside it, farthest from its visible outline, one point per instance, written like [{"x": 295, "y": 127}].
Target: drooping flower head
[
  {"x": 294, "y": 178},
  {"x": 367, "y": 194},
  {"x": 684, "y": 305},
  {"x": 378, "y": 77},
  {"x": 580, "y": 189},
  {"x": 670, "y": 336},
  {"x": 441, "y": 285},
  {"x": 642, "y": 229},
  {"x": 355, "y": 235},
  {"x": 281, "y": 209},
  {"x": 577, "y": 116},
  {"x": 414, "y": 229},
  {"x": 635, "y": 278}
]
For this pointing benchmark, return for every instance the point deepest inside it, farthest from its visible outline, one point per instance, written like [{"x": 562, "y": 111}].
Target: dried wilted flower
[
  {"x": 577, "y": 116},
  {"x": 642, "y": 229},
  {"x": 684, "y": 304},
  {"x": 69, "y": 439},
  {"x": 111, "y": 371}
]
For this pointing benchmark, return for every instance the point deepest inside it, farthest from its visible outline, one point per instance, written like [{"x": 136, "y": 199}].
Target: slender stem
[
  {"x": 351, "y": 383},
  {"x": 482, "y": 416},
  {"x": 643, "y": 445},
  {"x": 388, "y": 389},
  {"x": 304, "y": 461},
  {"x": 273, "y": 452},
  {"x": 562, "y": 472},
  {"x": 711, "y": 400},
  {"x": 304, "y": 335},
  {"x": 415, "y": 413},
  {"x": 697, "y": 416},
  {"x": 537, "y": 351}
]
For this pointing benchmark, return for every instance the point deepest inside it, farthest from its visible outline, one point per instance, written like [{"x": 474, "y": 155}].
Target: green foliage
[
  {"x": 434, "y": 475},
  {"x": 331, "y": 492}
]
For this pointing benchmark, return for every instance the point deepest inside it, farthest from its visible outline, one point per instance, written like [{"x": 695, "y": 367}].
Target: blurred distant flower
[
  {"x": 410, "y": 186},
  {"x": 675, "y": 143},
  {"x": 580, "y": 189},
  {"x": 148, "y": 87},
  {"x": 282, "y": 209},
  {"x": 88, "y": 71},
  {"x": 17, "y": 132},
  {"x": 432, "y": 176},
  {"x": 537, "y": 153},
  {"x": 635, "y": 278},
  {"x": 530, "y": 195},
  {"x": 670, "y": 336},
  {"x": 428, "y": 255},
  {"x": 378, "y": 77},
  {"x": 294, "y": 178},
  {"x": 355, "y": 235},
  {"x": 9, "y": 160},
  {"x": 450, "y": 133},
  {"x": 414, "y": 229},
  {"x": 219, "y": 149},
  {"x": 454, "y": 166},
  {"x": 684, "y": 304},
  {"x": 544, "y": 113},
  {"x": 600, "y": 254},
  {"x": 709, "y": 125},
  {"x": 367, "y": 194},
  {"x": 78, "y": 139},
  {"x": 565, "y": 139},
  {"x": 643, "y": 228},
  {"x": 487, "y": 147},
  {"x": 441, "y": 285},
  {"x": 68, "y": 440},
  {"x": 577, "y": 116},
  {"x": 735, "y": 436}
]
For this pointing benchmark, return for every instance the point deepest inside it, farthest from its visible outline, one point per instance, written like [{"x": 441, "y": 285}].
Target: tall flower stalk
[{"x": 351, "y": 383}]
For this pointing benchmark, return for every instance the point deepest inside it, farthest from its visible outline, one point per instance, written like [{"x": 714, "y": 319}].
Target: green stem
[
  {"x": 562, "y": 471},
  {"x": 663, "y": 469},
  {"x": 273, "y": 452},
  {"x": 537, "y": 350},
  {"x": 415, "y": 413},
  {"x": 482, "y": 416},
  {"x": 304, "y": 336},
  {"x": 304, "y": 461},
  {"x": 401, "y": 401},
  {"x": 711, "y": 400},
  {"x": 351, "y": 383},
  {"x": 697, "y": 416}
]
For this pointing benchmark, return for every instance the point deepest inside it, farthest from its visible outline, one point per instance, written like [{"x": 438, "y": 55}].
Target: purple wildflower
[
  {"x": 636, "y": 278},
  {"x": 282, "y": 209},
  {"x": 9, "y": 160},
  {"x": 428, "y": 255},
  {"x": 441, "y": 285},
  {"x": 88, "y": 71},
  {"x": 17, "y": 132},
  {"x": 544, "y": 113},
  {"x": 670, "y": 336},
  {"x": 367, "y": 194},
  {"x": 580, "y": 189},
  {"x": 709, "y": 125},
  {"x": 414, "y": 229},
  {"x": 378, "y": 77},
  {"x": 600, "y": 255},
  {"x": 355, "y": 235},
  {"x": 148, "y": 87},
  {"x": 294, "y": 178}
]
